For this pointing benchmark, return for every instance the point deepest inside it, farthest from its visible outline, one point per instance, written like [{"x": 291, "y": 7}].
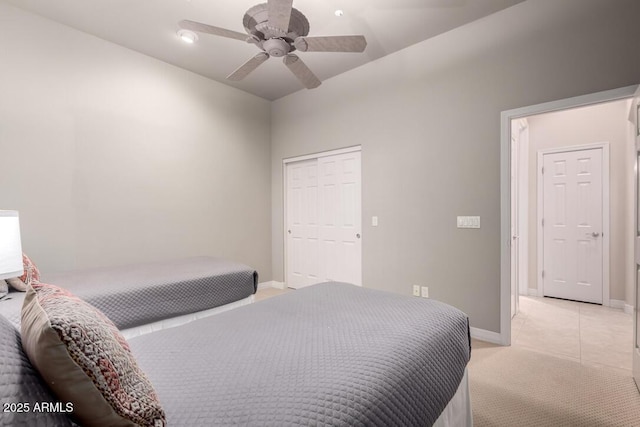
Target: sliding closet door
[
  {"x": 323, "y": 234},
  {"x": 340, "y": 217},
  {"x": 302, "y": 229}
]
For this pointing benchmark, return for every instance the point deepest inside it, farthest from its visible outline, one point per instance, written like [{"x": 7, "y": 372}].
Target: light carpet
[{"x": 517, "y": 387}]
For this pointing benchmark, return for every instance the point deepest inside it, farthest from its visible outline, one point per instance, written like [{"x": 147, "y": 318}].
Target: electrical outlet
[
  {"x": 416, "y": 290},
  {"x": 425, "y": 292}
]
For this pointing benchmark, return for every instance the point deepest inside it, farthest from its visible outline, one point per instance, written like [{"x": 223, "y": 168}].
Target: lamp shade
[{"x": 10, "y": 246}]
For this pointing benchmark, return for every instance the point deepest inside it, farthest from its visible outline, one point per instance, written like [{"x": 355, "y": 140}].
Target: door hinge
[
  {"x": 543, "y": 222},
  {"x": 543, "y": 170},
  {"x": 543, "y": 274}
]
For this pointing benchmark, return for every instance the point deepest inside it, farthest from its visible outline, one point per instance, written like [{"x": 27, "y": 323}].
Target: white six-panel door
[
  {"x": 573, "y": 225},
  {"x": 302, "y": 229},
  {"x": 340, "y": 223},
  {"x": 324, "y": 239}
]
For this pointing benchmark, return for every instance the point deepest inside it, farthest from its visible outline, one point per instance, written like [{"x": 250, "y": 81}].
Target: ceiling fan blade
[
  {"x": 280, "y": 14},
  {"x": 301, "y": 71},
  {"x": 331, "y": 44},
  {"x": 245, "y": 69},
  {"x": 209, "y": 29}
]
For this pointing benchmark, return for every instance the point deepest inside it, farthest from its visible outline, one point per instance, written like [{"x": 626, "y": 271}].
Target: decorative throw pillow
[
  {"x": 17, "y": 284},
  {"x": 31, "y": 273},
  {"x": 86, "y": 361}
]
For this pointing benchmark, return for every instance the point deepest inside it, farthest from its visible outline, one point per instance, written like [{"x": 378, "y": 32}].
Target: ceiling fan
[{"x": 278, "y": 30}]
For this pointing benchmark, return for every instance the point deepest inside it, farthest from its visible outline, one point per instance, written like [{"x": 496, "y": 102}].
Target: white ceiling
[{"x": 149, "y": 27}]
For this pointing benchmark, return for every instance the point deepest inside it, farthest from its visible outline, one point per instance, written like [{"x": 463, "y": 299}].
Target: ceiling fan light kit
[{"x": 278, "y": 30}]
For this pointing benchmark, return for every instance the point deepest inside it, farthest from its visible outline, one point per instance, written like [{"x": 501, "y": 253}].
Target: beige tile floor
[
  {"x": 594, "y": 335},
  {"x": 265, "y": 293}
]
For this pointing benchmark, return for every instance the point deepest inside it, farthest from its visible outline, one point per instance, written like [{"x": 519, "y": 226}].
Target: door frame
[
  {"x": 520, "y": 167},
  {"x": 635, "y": 354},
  {"x": 505, "y": 186},
  {"x": 606, "y": 230},
  {"x": 311, "y": 156}
]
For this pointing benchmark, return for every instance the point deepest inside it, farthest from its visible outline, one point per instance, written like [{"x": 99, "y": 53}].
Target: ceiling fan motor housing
[
  {"x": 276, "y": 47},
  {"x": 256, "y": 23}
]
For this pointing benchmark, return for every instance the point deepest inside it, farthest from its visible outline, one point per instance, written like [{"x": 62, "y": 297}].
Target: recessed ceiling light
[
  {"x": 187, "y": 36},
  {"x": 339, "y": 12}
]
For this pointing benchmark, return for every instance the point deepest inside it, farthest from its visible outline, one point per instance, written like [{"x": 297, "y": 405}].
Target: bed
[
  {"x": 144, "y": 297},
  {"x": 330, "y": 354}
]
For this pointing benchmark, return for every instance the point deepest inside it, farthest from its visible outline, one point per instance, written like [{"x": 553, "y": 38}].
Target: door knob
[
  {"x": 358, "y": 235},
  {"x": 594, "y": 234},
  {"x": 289, "y": 231}
]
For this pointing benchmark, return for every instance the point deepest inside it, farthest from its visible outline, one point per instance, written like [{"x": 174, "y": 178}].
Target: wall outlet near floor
[
  {"x": 416, "y": 290},
  {"x": 425, "y": 292}
]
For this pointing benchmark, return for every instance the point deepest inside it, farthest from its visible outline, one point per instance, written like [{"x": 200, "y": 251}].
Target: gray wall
[
  {"x": 113, "y": 157},
  {"x": 428, "y": 120},
  {"x": 606, "y": 122}
]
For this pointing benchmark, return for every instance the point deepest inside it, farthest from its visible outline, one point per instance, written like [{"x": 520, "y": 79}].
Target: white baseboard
[
  {"x": 271, "y": 284},
  {"x": 616, "y": 303},
  {"x": 484, "y": 335},
  {"x": 621, "y": 305}
]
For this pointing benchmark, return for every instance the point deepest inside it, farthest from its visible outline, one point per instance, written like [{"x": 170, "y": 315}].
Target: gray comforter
[
  {"x": 133, "y": 295},
  {"x": 331, "y": 354}
]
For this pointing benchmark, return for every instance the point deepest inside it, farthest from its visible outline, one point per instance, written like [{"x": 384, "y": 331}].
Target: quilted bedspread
[
  {"x": 330, "y": 354},
  {"x": 133, "y": 295}
]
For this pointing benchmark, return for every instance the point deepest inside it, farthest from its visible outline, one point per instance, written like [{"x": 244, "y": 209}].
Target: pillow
[
  {"x": 4, "y": 288},
  {"x": 31, "y": 274},
  {"x": 22, "y": 388},
  {"x": 17, "y": 284},
  {"x": 85, "y": 360}
]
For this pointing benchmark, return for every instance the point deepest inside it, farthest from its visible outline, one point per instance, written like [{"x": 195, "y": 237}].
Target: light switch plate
[
  {"x": 374, "y": 221},
  {"x": 468, "y": 222}
]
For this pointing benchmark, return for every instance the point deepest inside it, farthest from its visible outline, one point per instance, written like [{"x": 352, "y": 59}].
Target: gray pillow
[
  {"x": 4, "y": 288},
  {"x": 21, "y": 387}
]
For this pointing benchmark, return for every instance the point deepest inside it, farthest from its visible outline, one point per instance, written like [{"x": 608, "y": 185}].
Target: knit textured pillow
[
  {"x": 31, "y": 272},
  {"x": 86, "y": 361},
  {"x": 31, "y": 275}
]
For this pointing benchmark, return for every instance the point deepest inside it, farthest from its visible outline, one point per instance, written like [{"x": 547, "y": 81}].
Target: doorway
[
  {"x": 531, "y": 287},
  {"x": 323, "y": 240}
]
